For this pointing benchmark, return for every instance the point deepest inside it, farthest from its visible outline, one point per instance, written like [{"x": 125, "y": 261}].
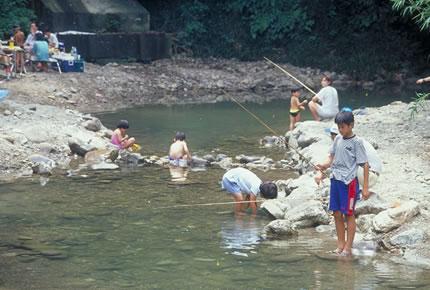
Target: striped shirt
[{"x": 348, "y": 153}]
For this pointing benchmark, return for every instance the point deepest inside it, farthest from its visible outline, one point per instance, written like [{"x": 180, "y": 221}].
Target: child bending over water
[
  {"x": 179, "y": 153},
  {"x": 120, "y": 137}
]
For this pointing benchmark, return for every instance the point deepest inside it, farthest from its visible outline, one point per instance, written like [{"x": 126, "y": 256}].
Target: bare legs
[
  {"x": 313, "y": 107},
  {"x": 344, "y": 246}
]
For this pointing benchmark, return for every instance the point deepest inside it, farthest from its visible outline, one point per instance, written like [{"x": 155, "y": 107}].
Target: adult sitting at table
[
  {"x": 5, "y": 61},
  {"x": 40, "y": 52},
  {"x": 31, "y": 37},
  {"x": 52, "y": 38},
  {"x": 329, "y": 101},
  {"x": 19, "y": 39}
]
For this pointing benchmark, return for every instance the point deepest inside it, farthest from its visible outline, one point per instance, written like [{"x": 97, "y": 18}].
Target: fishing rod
[
  {"x": 209, "y": 204},
  {"x": 274, "y": 132},
  {"x": 290, "y": 75}
]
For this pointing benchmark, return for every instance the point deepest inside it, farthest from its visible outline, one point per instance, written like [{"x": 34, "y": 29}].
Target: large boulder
[
  {"x": 279, "y": 229},
  {"x": 373, "y": 205},
  {"x": 392, "y": 218},
  {"x": 307, "y": 214},
  {"x": 276, "y": 207}
]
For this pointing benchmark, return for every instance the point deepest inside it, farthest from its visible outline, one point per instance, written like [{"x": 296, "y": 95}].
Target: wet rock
[
  {"x": 278, "y": 229},
  {"x": 209, "y": 157},
  {"x": 104, "y": 166},
  {"x": 408, "y": 238},
  {"x": 199, "y": 162},
  {"x": 225, "y": 163},
  {"x": 270, "y": 141},
  {"x": 220, "y": 157},
  {"x": 131, "y": 157},
  {"x": 41, "y": 164},
  {"x": 247, "y": 159},
  {"x": 93, "y": 125},
  {"x": 392, "y": 218},
  {"x": 79, "y": 147},
  {"x": 100, "y": 155}
]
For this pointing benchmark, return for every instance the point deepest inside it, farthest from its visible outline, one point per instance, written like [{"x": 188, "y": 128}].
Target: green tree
[
  {"x": 418, "y": 9},
  {"x": 14, "y": 12}
]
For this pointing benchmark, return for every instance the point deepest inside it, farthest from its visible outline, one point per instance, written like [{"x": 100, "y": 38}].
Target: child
[
  {"x": 244, "y": 185},
  {"x": 119, "y": 136},
  {"x": 179, "y": 155},
  {"x": 346, "y": 154},
  {"x": 295, "y": 107}
]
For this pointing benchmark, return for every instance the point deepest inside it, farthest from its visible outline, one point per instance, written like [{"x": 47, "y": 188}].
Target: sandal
[{"x": 336, "y": 251}]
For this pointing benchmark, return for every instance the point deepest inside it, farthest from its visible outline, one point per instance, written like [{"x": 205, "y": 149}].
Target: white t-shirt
[
  {"x": 375, "y": 163},
  {"x": 329, "y": 100}
]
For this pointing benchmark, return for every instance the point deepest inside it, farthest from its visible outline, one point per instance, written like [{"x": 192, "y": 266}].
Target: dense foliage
[
  {"x": 418, "y": 9},
  {"x": 14, "y": 12},
  {"x": 361, "y": 37}
]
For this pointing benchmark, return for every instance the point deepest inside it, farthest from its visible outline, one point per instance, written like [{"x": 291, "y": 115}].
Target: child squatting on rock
[
  {"x": 120, "y": 137},
  {"x": 346, "y": 154}
]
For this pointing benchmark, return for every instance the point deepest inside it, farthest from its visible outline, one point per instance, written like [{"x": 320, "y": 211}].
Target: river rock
[
  {"x": 220, "y": 157},
  {"x": 278, "y": 229},
  {"x": 307, "y": 214},
  {"x": 276, "y": 207},
  {"x": 408, "y": 238},
  {"x": 41, "y": 164},
  {"x": 373, "y": 205},
  {"x": 247, "y": 159},
  {"x": 365, "y": 223},
  {"x": 392, "y": 218},
  {"x": 415, "y": 257},
  {"x": 199, "y": 162},
  {"x": 270, "y": 141},
  {"x": 93, "y": 125},
  {"x": 104, "y": 166},
  {"x": 225, "y": 163},
  {"x": 209, "y": 157},
  {"x": 99, "y": 156},
  {"x": 79, "y": 147}
]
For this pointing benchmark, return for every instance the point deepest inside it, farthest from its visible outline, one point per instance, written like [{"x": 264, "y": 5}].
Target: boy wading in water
[
  {"x": 346, "y": 154},
  {"x": 295, "y": 107},
  {"x": 179, "y": 155}
]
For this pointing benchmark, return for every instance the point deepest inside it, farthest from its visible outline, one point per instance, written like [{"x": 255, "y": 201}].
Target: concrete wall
[{"x": 144, "y": 47}]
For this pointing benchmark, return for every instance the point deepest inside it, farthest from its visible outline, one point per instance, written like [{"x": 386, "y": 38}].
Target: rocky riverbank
[
  {"x": 179, "y": 80},
  {"x": 395, "y": 217}
]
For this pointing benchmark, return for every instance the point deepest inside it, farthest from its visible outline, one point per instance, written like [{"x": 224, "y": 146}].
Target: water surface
[{"x": 112, "y": 230}]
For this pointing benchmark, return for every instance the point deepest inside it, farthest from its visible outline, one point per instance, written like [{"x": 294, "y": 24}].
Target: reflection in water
[
  {"x": 178, "y": 174},
  {"x": 242, "y": 233}
]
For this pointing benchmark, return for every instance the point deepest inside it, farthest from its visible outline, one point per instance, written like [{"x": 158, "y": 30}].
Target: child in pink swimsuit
[{"x": 120, "y": 137}]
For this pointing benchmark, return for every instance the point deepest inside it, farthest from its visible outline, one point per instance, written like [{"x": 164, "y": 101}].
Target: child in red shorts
[{"x": 346, "y": 154}]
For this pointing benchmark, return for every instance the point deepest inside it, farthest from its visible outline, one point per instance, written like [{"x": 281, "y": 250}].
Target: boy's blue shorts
[
  {"x": 343, "y": 196},
  {"x": 231, "y": 187}
]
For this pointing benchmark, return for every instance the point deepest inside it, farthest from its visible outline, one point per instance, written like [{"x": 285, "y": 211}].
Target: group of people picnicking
[
  {"x": 35, "y": 47},
  {"x": 353, "y": 163}
]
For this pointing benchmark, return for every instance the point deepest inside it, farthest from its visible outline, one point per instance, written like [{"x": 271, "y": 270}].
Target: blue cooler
[{"x": 72, "y": 65}]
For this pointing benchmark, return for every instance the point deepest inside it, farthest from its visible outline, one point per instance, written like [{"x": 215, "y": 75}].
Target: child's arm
[
  {"x": 365, "y": 193},
  {"x": 321, "y": 167},
  {"x": 187, "y": 151}
]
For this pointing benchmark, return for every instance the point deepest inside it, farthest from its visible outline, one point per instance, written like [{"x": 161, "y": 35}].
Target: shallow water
[{"x": 111, "y": 230}]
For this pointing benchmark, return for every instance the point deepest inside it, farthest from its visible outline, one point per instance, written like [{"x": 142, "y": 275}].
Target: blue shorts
[
  {"x": 343, "y": 196},
  {"x": 231, "y": 187}
]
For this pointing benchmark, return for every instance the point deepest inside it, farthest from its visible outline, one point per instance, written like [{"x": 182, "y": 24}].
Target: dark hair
[
  {"x": 293, "y": 90},
  {"x": 327, "y": 78},
  {"x": 344, "y": 118},
  {"x": 39, "y": 36},
  {"x": 180, "y": 136},
  {"x": 123, "y": 124},
  {"x": 268, "y": 190}
]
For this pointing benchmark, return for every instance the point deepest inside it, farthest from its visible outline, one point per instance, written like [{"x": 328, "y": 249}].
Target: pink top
[{"x": 116, "y": 141}]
